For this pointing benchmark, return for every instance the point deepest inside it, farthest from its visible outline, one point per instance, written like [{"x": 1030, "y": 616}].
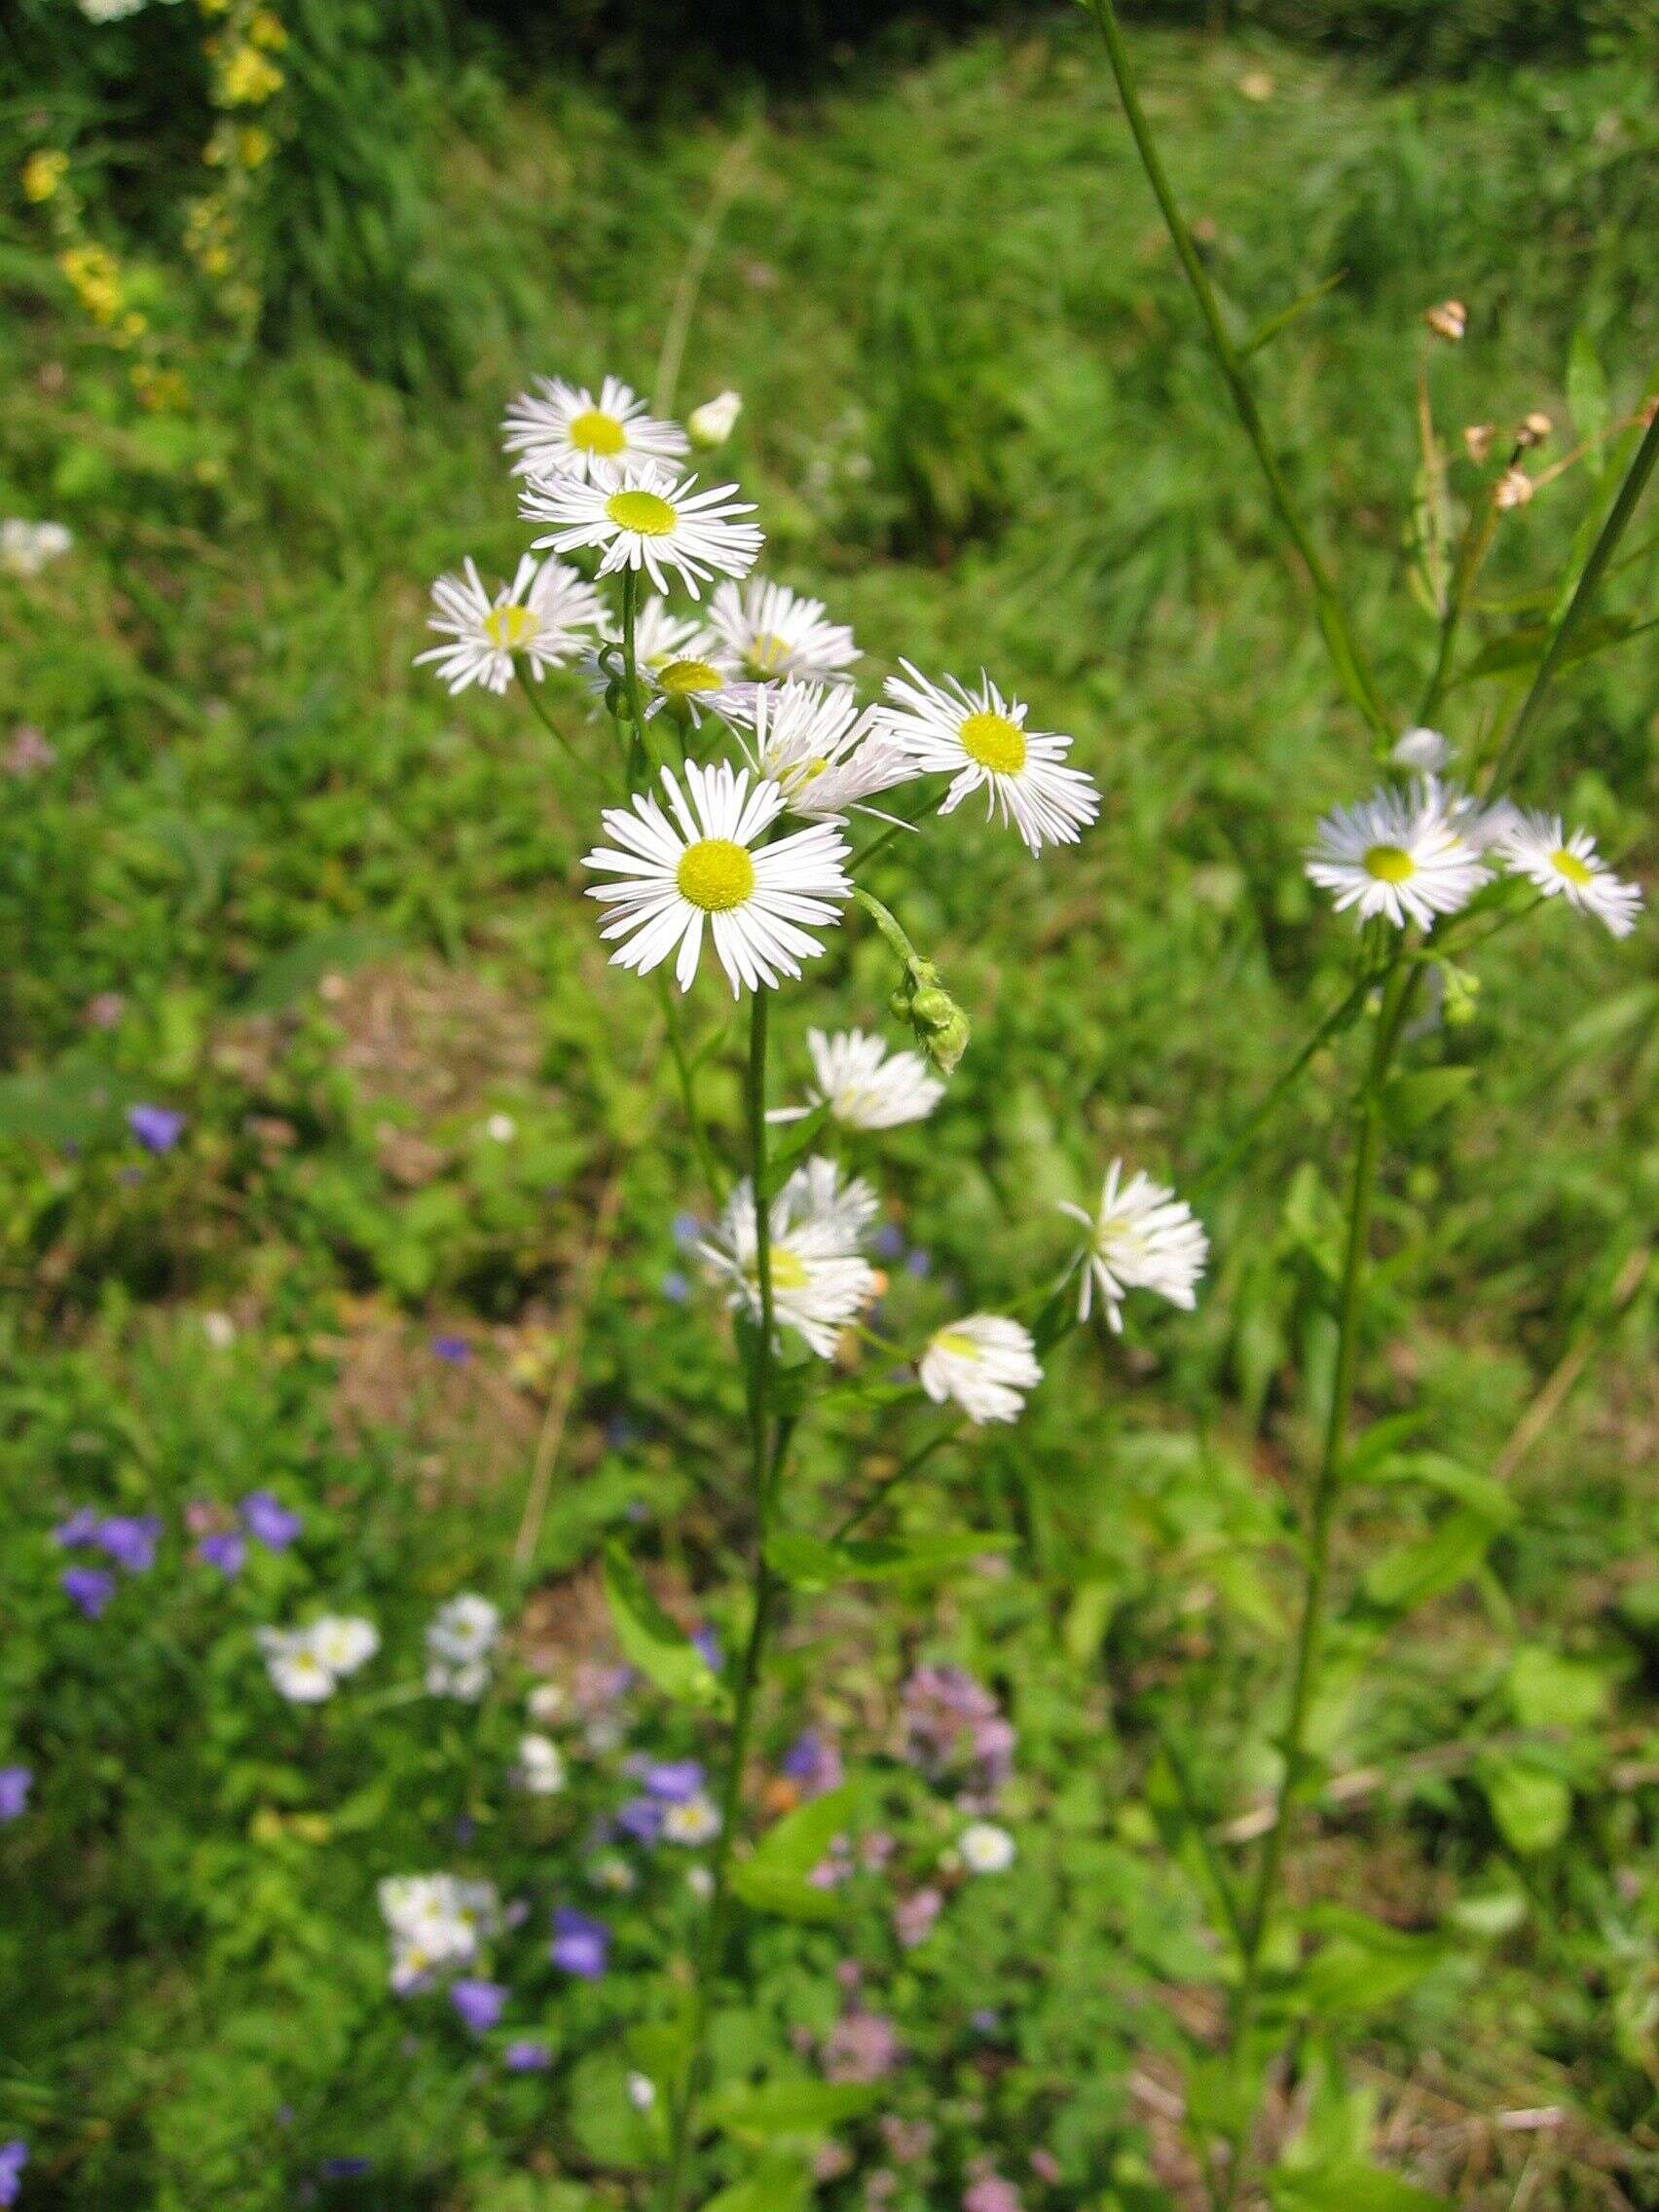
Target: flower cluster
[
  {"x": 438, "y": 1923},
  {"x": 459, "y": 1638},
  {"x": 308, "y": 1665}
]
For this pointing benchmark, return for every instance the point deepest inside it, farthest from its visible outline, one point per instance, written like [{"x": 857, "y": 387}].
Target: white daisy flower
[
  {"x": 546, "y": 1702},
  {"x": 566, "y": 432},
  {"x": 812, "y": 741},
  {"x": 643, "y": 517},
  {"x": 695, "y": 1821},
  {"x": 681, "y": 663},
  {"x": 540, "y": 1769},
  {"x": 706, "y": 866},
  {"x": 980, "y": 739},
  {"x": 435, "y": 1921},
  {"x": 295, "y": 1668},
  {"x": 1404, "y": 855},
  {"x": 534, "y": 619},
  {"x": 819, "y": 1280},
  {"x": 864, "y": 1085},
  {"x": 465, "y": 1628},
  {"x": 344, "y": 1644},
  {"x": 774, "y": 634},
  {"x": 1141, "y": 1237},
  {"x": 1536, "y": 847},
  {"x": 1424, "y": 751},
  {"x": 986, "y": 1849},
  {"x": 986, "y": 1364}
]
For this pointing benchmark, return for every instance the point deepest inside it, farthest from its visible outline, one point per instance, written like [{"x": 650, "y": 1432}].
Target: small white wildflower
[
  {"x": 501, "y": 1129},
  {"x": 985, "y": 1848},
  {"x": 714, "y": 422},
  {"x": 1400, "y": 854},
  {"x": 546, "y": 1702},
  {"x": 465, "y": 1679},
  {"x": 812, "y": 741},
  {"x": 466, "y": 1627},
  {"x": 219, "y": 1330},
  {"x": 645, "y": 518},
  {"x": 27, "y": 547},
  {"x": 539, "y": 620},
  {"x": 979, "y": 739},
  {"x": 693, "y": 1821},
  {"x": 560, "y": 430},
  {"x": 864, "y": 1085},
  {"x": 1141, "y": 1237},
  {"x": 641, "y": 2093},
  {"x": 1536, "y": 847},
  {"x": 819, "y": 1282},
  {"x": 296, "y": 1671},
  {"x": 775, "y": 634},
  {"x": 540, "y": 1770},
  {"x": 700, "y": 1881},
  {"x": 344, "y": 1642},
  {"x": 986, "y": 1364}
]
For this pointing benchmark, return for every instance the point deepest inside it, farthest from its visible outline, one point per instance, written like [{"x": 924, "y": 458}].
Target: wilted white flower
[
  {"x": 712, "y": 423},
  {"x": 537, "y": 619},
  {"x": 27, "y": 548},
  {"x": 693, "y": 1821},
  {"x": 985, "y": 1848},
  {"x": 1401, "y": 855},
  {"x": 566, "y": 431},
  {"x": 774, "y": 634},
  {"x": 819, "y": 1280},
  {"x": 645, "y": 518},
  {"x": 707, "y": 867},
  {"x": 1422, "y": 751},
  {"x": 540, "y": 1769},
  {"x": 681, "y": 662},
  {"x": 812, "y": 741},
  {"x": 1141, "y": 1237},
  {"x": 986, "y": 1364},
  {"x": 979, "y": 739},
  {"x": 1536, "y": 847},
  {"x": 864, "y": 1085}
]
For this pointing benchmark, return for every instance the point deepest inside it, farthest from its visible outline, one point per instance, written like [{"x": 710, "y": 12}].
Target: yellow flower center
[
  {"x": 788, "y": 1269},
  {"x": 682, "y": 675},
  {"x": 767, "y": 652},
  {"x": 958, "y": 1346},
  {"x": 1571, "y": 867},
  {"x": 594, "y": 432},
  {"x": 1389, "y": 864},
  {"x": 509, "y": 627},
  {"x": 641, "y": 512},
  {"x": 715, "y": 875},
  {"x": 994, "y": 742}
]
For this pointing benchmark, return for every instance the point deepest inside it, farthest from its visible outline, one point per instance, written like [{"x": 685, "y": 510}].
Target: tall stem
[
  {"x": 638, "y": 757},
  {"x": 1348, "y": 654},
  {"x": 767, "y": 1451},
  {"x": 1327, "y": 1487}
]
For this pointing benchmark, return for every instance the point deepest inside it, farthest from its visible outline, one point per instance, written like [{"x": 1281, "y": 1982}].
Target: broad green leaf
[
  {"x": 1550, "y": 1691},
  {"x": 1378, "y": 1444},
  {"x": 775, "y": 1877},
  {"x": 1521, "y": 650},
  {"x": 608, "y": 2125},
  {"x": 782, "y": 2182},
  {"x": 1412, "y": 1101},
  {"x": 1437, "y": 1470},
  {"x": 792, "y": 2106},
  {"x": 1363, "y": 1965},
  {"x": 77, "y": 1101},
  {"x": 1431, "y": 1565},
  {"x": 649, "y": 1639},
  {"x": 1532, "y": 1806},
  {"x": 1348, "y": 2185}
]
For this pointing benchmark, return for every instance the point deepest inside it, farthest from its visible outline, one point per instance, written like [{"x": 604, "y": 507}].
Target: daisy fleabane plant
[
  {"x": 682, "y": 664},
  {"x": 560, "y": 430},
  {"x": 820, "y": 1280},
  {"x": 864, "y": 1085},
  {"x": 1569, "y": 868},
  {"x": 985, "y": 1364},
  {"x": 979, "y": 738},
  {"x": 538, "y": 621},
  {"x": 814, "y": 743},
  {"x": 1141, "y": 1237},
  {"x": 774, "y": 633},
  {"x": 701, "y": 866},
  {"x": 1401, "y": 855},
  {"x": 643, "y": 517}
]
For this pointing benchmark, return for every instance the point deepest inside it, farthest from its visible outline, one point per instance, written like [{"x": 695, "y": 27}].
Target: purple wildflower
[
  {"x": 13, "y": 2157},
  {"x": 919, "y": 1263},
  {"x": 269, "y": 1522},
  {"x": 675, "y": 1781},
  {"x": 29, "y": 751},
  {"x": 676, "y": 1288},
  {"x": 705, "y": 1641},
  {"x": 453, "y": 1351},
  {"x": 814, "y": 1762},
  {"x": 581, "y": 1946},
  {"x": 158, "y": 1128},
  {"x": 129, "y": 1540},
  {"x": 527, "y": 2057},
  {"x": 889, "y": 1240},
  {"x": 480, "y": 2004},
  {"x": 913, "y": 1916},
  {"x": 345, "y": 2169},
  {"x": 90, "y": 1587},
  {"x": 81, "y": 1528},
  {"x": 226, "y": 1552},
  {"x": 16, "y": 1782},
  {"x": 991, "y": 2193},
  {"x": 687, "y": 1231},
  {"x": 950, "y": 1718},
  {"x": 641, "y": 1819},
  {"x": 862, "y": 2047}
]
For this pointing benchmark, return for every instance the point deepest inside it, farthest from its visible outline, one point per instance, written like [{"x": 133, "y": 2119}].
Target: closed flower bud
[
  {"x": 1477, "y": 441},
  {"x": 1448, "y": 320},
  {"x": 1534, "y": 430},
  {"x": 712, "y": 423},
  {"x": 1514, "y": 488}
]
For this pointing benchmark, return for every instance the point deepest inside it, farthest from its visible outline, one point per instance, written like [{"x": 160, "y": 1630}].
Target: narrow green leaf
[
  {"x": 651, "y": 1640},
  {"x": 1432, "y": 1564}
]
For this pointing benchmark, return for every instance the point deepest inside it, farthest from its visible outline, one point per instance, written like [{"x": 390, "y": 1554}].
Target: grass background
[{"x": 339, "y": 913}]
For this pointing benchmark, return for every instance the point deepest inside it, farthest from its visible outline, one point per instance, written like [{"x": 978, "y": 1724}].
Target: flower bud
[
  {"x": 712, "y": 423},
  {"x": 1448, "y": 320},
  {"x": 1534, "y": 430},
  {"x": 1424, "y": 751},
  {"x": 1477, "y": 441},
  {"x": 1514, "y": 488}
]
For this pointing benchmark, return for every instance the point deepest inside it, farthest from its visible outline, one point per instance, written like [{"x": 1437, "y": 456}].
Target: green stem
[
  {"x": 1472, "y": 550},
  {"x": 897, "y": 828},
  {"x": 582, "y": 766},
  {"x": 1327, "y": 1486},
  {"x": 884, "y": 1488},
  {"x": 1338, "y": 1019},
  {"x": 1578, "y": 605},
  {"x": 638, "y": 754},
  {"x": 1347, "y": 655},
  {"x": 766, "y": 1463},
  {"x": 685, "y": 1074}
]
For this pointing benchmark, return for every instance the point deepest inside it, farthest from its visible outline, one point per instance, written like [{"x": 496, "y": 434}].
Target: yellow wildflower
[{"x": 43, "y": 172}]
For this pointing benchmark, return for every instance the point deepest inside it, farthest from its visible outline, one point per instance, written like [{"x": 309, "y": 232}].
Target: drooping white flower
[
  {"x": 1423, "y": 751},
  {"x": 979, "y": 739},
  {"x": 986, "y": 1849},
  {"x": 27, "y": 548},
  {"x": 706, "y": 867},
  {"x": 864, "y": 1085},
  {"x": 643, "y": 517},
  {"x": 1141, "y": 1237},
  {"x": 812, "y": 741},
  {"x": 1404, "y": 855},
  {"x": 819, "y": 1282},
  {"x": 774, "y": 633},
  {"x": 560, "y": 430},
  {"x": 1536, "y": 847},
  {"x": 693, "y": 1821},
  {"x": 986, "y": 1364},
  {"x": 712, "y": 423},
  {"x": 540, "y": 1769},
  {"x": 540, "y": 619}
]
